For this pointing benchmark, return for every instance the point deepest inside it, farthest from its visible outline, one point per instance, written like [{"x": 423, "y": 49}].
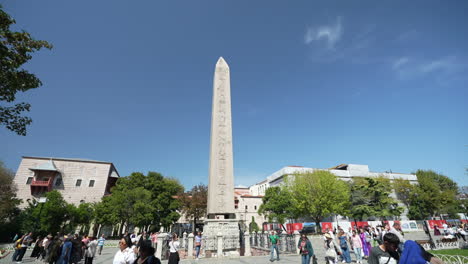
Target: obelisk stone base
[{"x": 229, "y": 228}]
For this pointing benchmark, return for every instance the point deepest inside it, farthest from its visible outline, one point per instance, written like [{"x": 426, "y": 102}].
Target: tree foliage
[
  {"x": 253, "y": 226},
  {"x": 434, "y": 195},
  {"x": 16, "y": 49},
  {"x": 319, "y": 195},
  {"x": 141, "y": 200},
  {"x": 372, "y": 197},
  {"x": 194, "y": 202},
  {"x": 276, "y": 205},
  {"x": 403, "y": 190},
  {"x": 48, "y": 217},
  {"x": 8, "y": 204}
]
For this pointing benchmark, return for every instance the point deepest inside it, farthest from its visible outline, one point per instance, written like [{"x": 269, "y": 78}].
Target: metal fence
[
  {"x": 452, "y": 259},
  {"x": 287, "y": 242}
]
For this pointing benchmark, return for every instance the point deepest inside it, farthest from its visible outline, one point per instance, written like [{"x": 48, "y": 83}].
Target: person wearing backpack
[
  {"x": 344, "y": 247},
  {"x": 17, "y": 247},
  {"x": 305, "y": 249}
]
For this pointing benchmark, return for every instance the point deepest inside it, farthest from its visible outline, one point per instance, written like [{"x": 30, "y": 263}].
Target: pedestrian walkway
[{"x": 109, "y": 252}]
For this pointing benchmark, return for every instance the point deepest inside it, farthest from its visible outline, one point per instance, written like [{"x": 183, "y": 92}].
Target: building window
[
  {"x": 78, "y": 183},
  {"x": 255, "y": 207},
  {"x": 58, "y": 182},
  {"x": 91, "y": 183},
  {"x": 29, "y": 180},
  {"x": 246, "y": 207}
]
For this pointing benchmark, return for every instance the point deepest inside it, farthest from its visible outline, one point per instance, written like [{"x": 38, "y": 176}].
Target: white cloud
[
  {"x": 407, "y": 68},
  {"x": 331, "y": 34},
  {"x": 445, "y": 64},
  {"x": 399, "y": 63}
]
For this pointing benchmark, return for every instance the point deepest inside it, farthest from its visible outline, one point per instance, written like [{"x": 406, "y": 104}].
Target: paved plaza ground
[{"x": 108, "y": 255}]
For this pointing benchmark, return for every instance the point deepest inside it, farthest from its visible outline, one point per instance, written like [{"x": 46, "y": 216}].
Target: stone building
[
  {"x": 345, "y": 172},
  {"x": 78, "y": 180},
  {"x": 246, "y": 205}
]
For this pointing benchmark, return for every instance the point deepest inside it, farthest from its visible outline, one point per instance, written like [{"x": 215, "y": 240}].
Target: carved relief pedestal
[{"x": 229, "y": 228}]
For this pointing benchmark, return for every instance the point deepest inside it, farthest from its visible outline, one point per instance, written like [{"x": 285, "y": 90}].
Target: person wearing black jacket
[{"x": 146, "y": 254}]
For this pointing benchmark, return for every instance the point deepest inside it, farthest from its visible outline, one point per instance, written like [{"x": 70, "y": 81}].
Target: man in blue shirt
[{"x": 101, "y": 243}]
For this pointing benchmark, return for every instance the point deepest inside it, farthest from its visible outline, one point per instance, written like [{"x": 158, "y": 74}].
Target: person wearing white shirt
[
  {"x": 174, "y": 250},
  {"x": 126, "y": 254}
]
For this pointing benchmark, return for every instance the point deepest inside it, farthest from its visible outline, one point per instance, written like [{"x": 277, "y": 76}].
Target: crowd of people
[
  {"x": 59, "y": 249},
  {"x": 451, "y": 231},
  {"x": 381, "y": 244}
]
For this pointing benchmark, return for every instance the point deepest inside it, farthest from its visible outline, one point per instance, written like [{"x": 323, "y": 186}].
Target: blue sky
[{"x": 314, "y": 83}]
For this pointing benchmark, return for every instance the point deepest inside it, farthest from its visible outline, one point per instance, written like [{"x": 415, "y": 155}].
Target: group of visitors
[
  {"x": 58, "y": 249},
  {"x": 382, "y": 244},
  {"x": 137, "y": 248},
  {"x": 451, "y": 231}
]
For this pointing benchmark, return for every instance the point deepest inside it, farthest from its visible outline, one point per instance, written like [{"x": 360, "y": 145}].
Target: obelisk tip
[{"x": 222, "y": 63}]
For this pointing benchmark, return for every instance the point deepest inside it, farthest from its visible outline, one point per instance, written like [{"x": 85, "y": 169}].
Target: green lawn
[{"x": 460, "y": 252}]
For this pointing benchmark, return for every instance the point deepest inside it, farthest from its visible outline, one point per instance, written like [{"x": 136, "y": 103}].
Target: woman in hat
[{"x": 331, "y": 250}]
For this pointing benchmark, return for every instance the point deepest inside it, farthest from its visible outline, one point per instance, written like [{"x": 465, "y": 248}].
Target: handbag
[{"x": 314, "y": 260}]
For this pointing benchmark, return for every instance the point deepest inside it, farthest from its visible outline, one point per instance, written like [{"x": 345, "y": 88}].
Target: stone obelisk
[
  {"x": 220, "y": 221},
  {"x": 221, "y": 172}
]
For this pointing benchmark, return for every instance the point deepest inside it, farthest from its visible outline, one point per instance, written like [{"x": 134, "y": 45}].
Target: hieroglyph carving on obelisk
[{"x": 221, "y": 176}]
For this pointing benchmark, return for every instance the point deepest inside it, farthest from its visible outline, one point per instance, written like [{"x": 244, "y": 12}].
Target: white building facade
[{"x": 345, "y": 172}]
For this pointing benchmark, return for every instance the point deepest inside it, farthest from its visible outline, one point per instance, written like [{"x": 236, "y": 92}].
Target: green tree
[
  {"x": 276, "y": 205},
  {"x": 48, "y": 217},
  {"x": 253, "y": 226},
  {"x": 194, "y": 203},
  {"x": 435, "y": 194},
  {"x": 16, "y": 49},
  {"x": 371, "y": 197},
  {"x": 142, "y": 200},
  {"x": 9, "y": 210},
  {"x": 403, "y": 189},
  {"x": 9, "y": 203},
  {"x": 318, "y": 195}
]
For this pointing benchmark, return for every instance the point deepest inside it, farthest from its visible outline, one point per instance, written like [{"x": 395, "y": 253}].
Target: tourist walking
[
  {"x": 274, "y": 240},
  {"x": 174, "y": 250},
  {"x": 125, "y": 254},
  {"x": 356, "y": 245},
  {"x": 387, "y": 252},
  {"x": 66, "y": 252},
  {"x": 198, "y": 240},
  {"x": 100, "y": 245},
  {"x": 24, "y": 246},
  {"x": 53, "y": 250},
  {"x": 91, "y": 250},
  {"x": 36, "y": 252},
  {"x": 331, "y": 250},
  {"x": 146, "y": 254},
  {"x": 154, "y": 239},
  {"x": 17, "y": 247},
  {"x": 344, "y": 247},
  {"x": 76, "y": 254},
  {"x": 305, "y": 249},
  {"x": 365, "y": 240}
]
